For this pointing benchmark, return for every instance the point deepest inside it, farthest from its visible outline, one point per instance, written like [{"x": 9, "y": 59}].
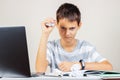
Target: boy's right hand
[{"x": 46, "y": 30}]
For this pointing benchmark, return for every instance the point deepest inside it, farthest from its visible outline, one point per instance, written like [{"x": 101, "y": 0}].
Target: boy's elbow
[
  {"x": 40, "y": 68},
  {"x": 107, "y": 65},
  {"x": 110, "y": 67}
]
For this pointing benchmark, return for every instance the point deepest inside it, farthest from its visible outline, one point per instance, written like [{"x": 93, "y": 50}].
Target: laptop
[{"x": 14, "y": 59}]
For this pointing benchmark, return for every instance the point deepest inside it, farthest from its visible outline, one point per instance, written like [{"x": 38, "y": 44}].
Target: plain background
[{"x": 100, "y": 23}]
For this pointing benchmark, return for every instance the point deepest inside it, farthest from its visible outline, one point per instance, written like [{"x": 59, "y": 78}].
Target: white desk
[{"x": 55, "y": 78}]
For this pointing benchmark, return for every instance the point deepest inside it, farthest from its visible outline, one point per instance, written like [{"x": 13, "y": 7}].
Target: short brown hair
[{"x": 69, "y": 11}]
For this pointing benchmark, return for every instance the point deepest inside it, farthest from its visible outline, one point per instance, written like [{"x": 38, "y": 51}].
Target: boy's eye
[
  {"x": 72, "y": 28},
  {"x": 62, "y": 27}
]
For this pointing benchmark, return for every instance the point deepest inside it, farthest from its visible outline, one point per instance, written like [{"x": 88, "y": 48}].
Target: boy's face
[{"x": 67, "y": 29}]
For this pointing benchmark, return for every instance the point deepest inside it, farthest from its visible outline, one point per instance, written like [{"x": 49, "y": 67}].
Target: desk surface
[
  {"x": 55, "y": 78},
  {"x": 62, "y": 78}
]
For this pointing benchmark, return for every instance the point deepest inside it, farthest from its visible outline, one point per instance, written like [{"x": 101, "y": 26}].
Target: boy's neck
[{"x": 68, "y": 46}]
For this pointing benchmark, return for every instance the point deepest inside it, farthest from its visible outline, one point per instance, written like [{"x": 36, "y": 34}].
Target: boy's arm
[
  {"x": 104, "y": 65},
  {"x": 41, "y": 62}
]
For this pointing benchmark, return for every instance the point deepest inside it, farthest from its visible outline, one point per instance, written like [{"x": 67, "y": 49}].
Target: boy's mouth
[{"x": 68, "y": 37}]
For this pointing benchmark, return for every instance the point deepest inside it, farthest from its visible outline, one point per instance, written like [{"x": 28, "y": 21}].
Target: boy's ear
[
  {"x": 80, "y": 25},
  {"x": 57, "y": 24}
]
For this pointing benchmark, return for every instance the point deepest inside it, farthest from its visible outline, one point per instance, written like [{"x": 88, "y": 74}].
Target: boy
[{"x": 67, "y": 52}]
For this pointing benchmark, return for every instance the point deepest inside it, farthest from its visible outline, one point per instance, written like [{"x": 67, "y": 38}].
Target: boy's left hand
[{"x": 65, "y": 66}]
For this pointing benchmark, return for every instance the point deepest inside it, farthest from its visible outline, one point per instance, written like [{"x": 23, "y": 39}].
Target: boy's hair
[{"x": 68, "y": 11}]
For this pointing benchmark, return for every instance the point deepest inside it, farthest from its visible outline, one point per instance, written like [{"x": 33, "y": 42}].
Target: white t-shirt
[{"x": 83, "y": 50}]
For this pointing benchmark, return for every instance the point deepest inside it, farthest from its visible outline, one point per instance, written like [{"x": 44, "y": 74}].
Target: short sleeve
[
  {"x": 93, "y": 55},
  {"x": 49, "y": 51}
]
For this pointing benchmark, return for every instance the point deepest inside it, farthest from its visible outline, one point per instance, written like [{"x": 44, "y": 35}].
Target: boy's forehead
[
  {"x": 66, "y": 21},
  {"x": 67, "y": 24}
]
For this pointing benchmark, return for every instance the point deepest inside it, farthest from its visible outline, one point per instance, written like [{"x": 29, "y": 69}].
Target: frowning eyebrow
[
  {"x": 62, "y": 27},
  {"x": 71, "y": 28}
]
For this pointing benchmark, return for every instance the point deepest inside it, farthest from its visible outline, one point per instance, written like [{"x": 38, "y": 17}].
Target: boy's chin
[{"x": 68, "y": 40}]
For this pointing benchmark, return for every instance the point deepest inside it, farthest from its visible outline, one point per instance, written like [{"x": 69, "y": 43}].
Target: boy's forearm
[
  {"x": 105, "y": 65},
  {"x": 66, "y": 66},
  {"x": 41, "y": 62}
]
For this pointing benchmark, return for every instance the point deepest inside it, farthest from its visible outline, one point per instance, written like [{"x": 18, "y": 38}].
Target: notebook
[
  {"x": 14, "y": 59},
  {"x": 103, "y": 74}
]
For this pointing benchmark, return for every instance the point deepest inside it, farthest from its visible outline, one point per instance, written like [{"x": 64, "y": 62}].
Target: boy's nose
[{"x": 67, "y": 32}]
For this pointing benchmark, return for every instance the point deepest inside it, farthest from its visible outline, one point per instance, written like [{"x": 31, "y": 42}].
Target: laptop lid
[{"x": 14, "y": 60}]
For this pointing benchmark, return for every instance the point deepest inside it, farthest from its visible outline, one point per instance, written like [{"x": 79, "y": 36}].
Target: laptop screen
[{"x": 14, "y": 60}]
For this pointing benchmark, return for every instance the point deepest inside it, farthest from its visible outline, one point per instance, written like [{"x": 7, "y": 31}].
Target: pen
[
  {"x": 85, "y": 75},
  {"x": 65, "y": 74}
]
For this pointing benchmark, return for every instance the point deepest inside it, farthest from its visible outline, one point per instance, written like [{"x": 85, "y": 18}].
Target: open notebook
[{"x": 104, "y": 74}]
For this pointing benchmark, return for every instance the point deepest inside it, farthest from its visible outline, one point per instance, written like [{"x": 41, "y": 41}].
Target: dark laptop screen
[{"x": 14, "y": 60}]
